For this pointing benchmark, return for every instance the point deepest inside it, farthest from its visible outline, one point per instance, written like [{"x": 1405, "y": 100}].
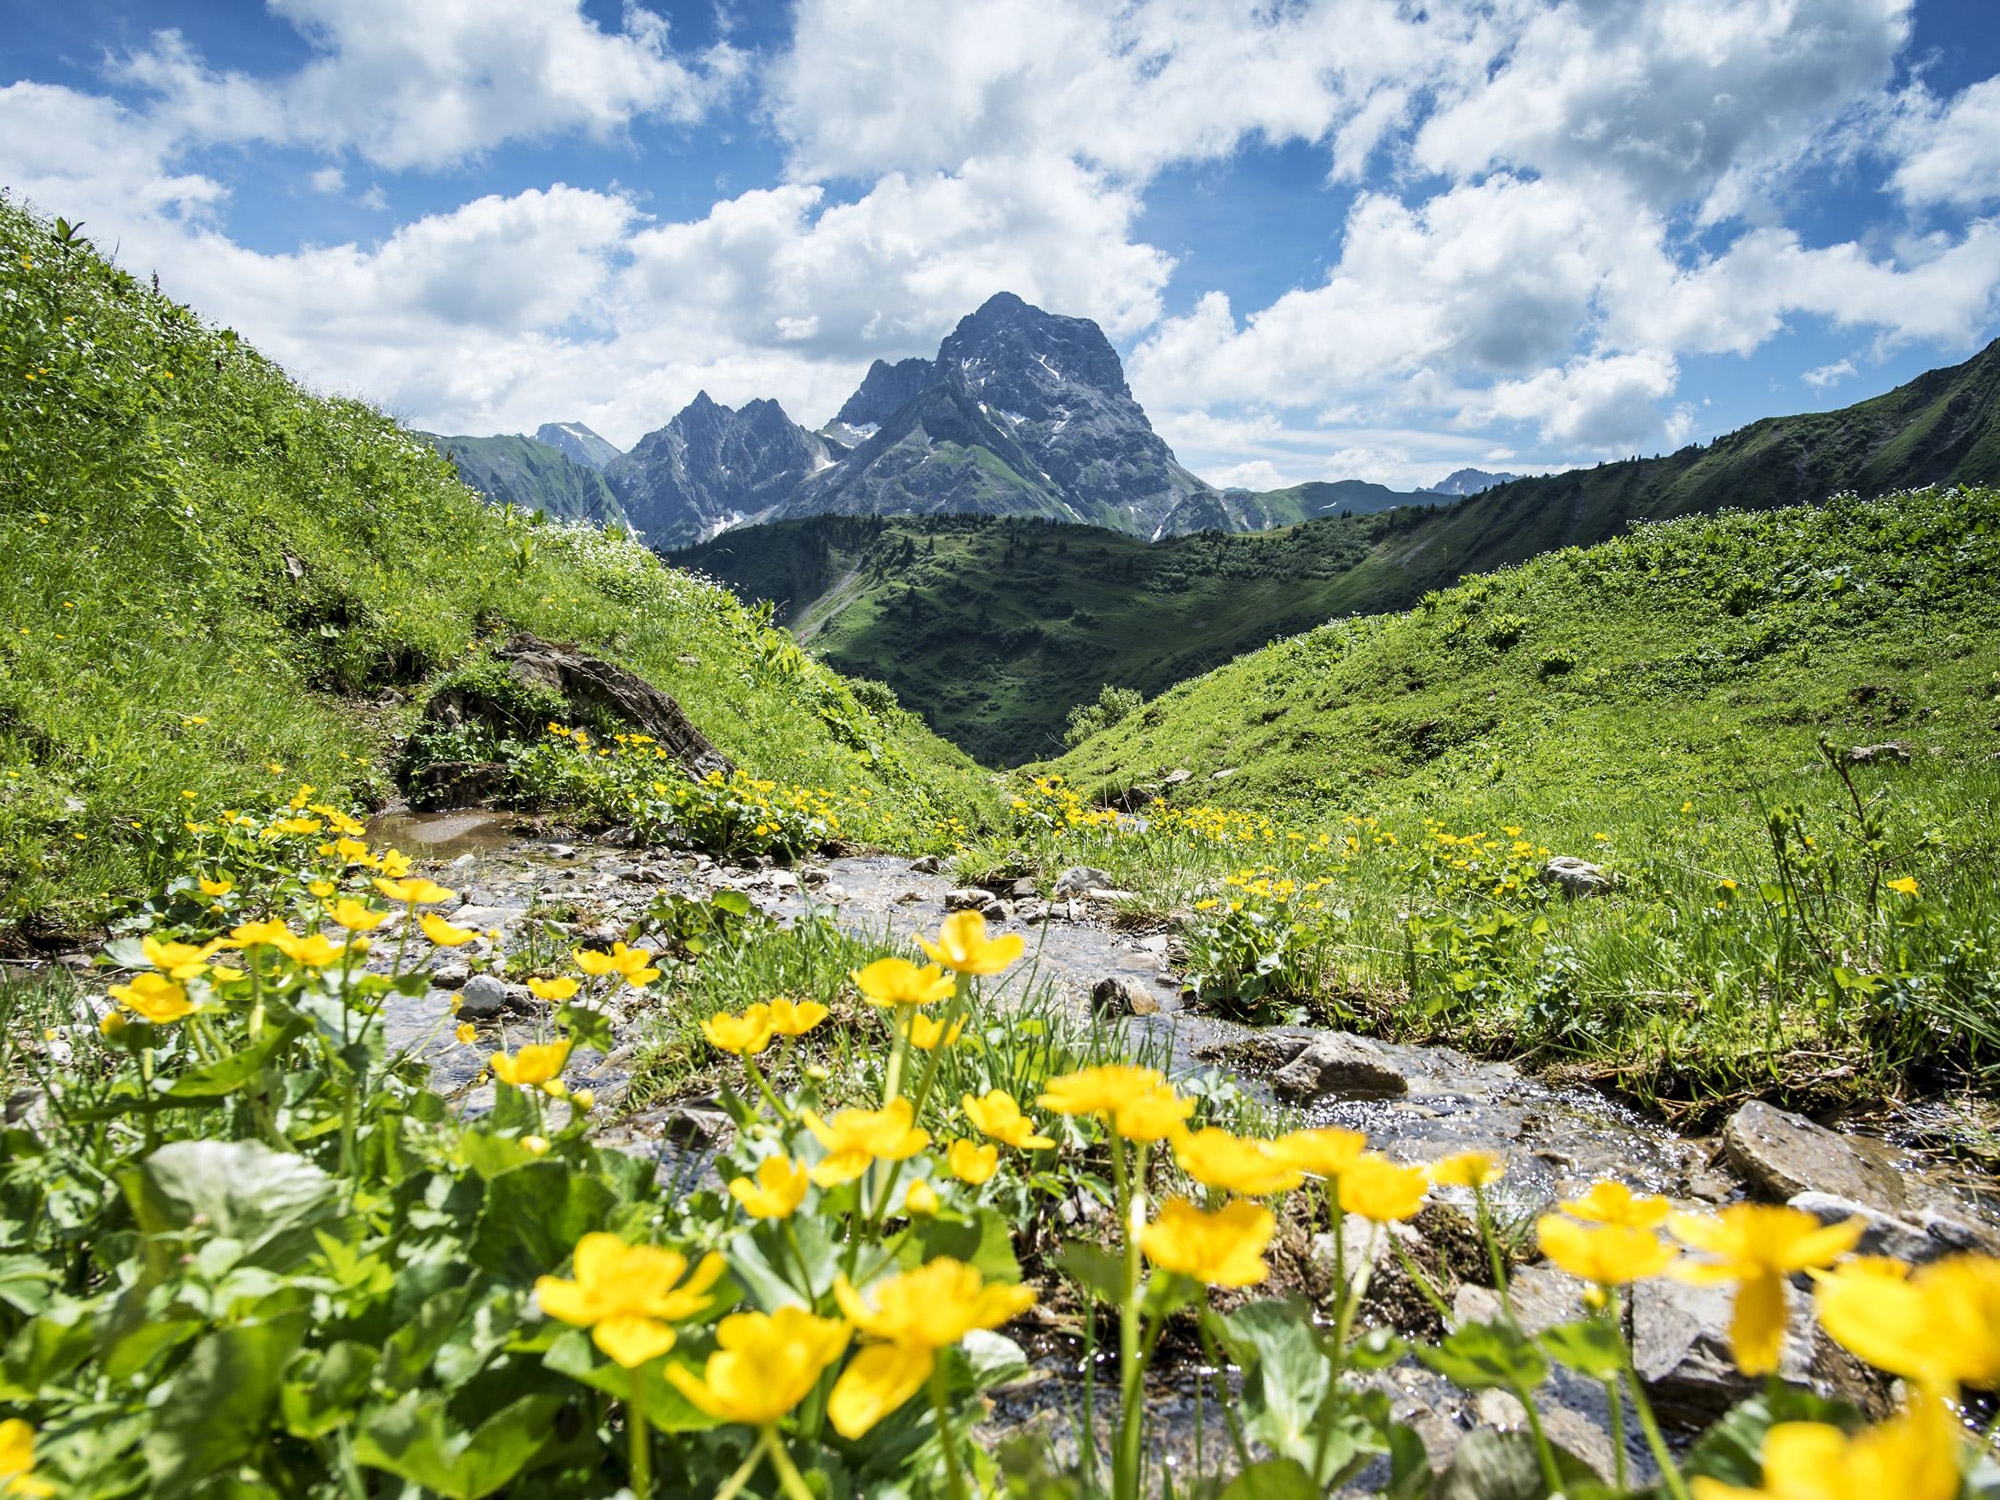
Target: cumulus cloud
[
  {"x": 428, "y": 85},
  {"x": 1951, "y": 152},
  {"x": 1826, "y": 375}
]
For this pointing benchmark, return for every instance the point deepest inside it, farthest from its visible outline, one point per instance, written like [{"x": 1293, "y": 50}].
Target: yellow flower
[
  {"x": 628, "y": 1296},
  {"x": 177, "y": 960},
  {"x": 555, "y": 991},
  {"x": 535, "y": 1145},
  {"x": 897, "y": 981},
  {"x": 417, "y": 892},
  {"x": 629, "y": 963},
  {"x": 442, "y": 933},
  {"x": 584, "y": 1099},
  {"x": 222, "y": 885},
  {"x": 963, "y": 946},
  {"x": 1138, "y": 1101},
  {"x": 1234, "y": 1164},
  {"x": 153, "y": 997},
  {"x": 395, "y": 864},
  {"x": 927, "y": 1035},
  {"x": 259, "y": 935},
  {"x": 920, "y": 1200},
  {"x": 1611, "y": 1202},
  {"x": 1905, "y": 884},
  {"x": 746, "y": 1035},
  {"x": 1613, "y": 1255},
  {"x": 764, "y": 1364},
  {"x": 466, "y": 1033},
  {"x": 1467, "y": 1169},
  {"x": 778, "y": 1191},
  {"x": 1320, "y": 1153},
  {"x": 915, "y": 1315},
  {"x": 855, "y": 1138},
  {"x": 1380, "y": 1191},
  {"x": 1941, "y": 1325},
  {"x": 533, "y": 1065},
  {"x": 1759, "y": 1247},
  {"x": 320, "y": 952},
  {"x": 1224, "y": 1248},
  {"x": 999, "y": 1117},
  {"x": 17, "y": 1462},
  {"x": 796, "y": 1017},
  {"x": 351, "y": 914},
  {"x": 321, "y": 888},
  {"x": 973, "y": 1162},
  {"x": 1913, "y": 1456}
]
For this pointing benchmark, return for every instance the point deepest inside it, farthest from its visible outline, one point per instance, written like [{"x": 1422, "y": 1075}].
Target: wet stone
[
  {"x": 451, "y": 974},
  {"x": 1680, "y": 1346},
  {"x": 1338, "y": 1066},
  {"x": 1079, "y": 880},
  {"x": 482, "y": 997},
  {"x": 1128, "y": 995},
  {"x": 1782, "y": 1155}
]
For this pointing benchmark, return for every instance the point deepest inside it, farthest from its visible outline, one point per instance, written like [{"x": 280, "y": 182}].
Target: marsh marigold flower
[
  {"x": 791, "y": 1017},
  {"x": 317, "y": 951},
  {"x": 856, "y": 1138},
  {"x": 897, "y": 981},
  {"x": 915, "y": 1315},
  {"x": 442, "y": 933},
  {"x": 258, "y": 935},
  {"x": 1378, "y": 1190},
  {"x": 1138, "y": 1102},
  {"x": 1939, "y": 1325},
  {"x": 1321, "y": 1153},
  {"x": 630, "y": 964},
  {"x": 1224, "y": 1248},
  {"x": 1610, "y": 1255},
  {"x": 222, "y": 885},
  {"x": 971, "y": 1162},
  {"x": 1466, "y": 1169},
  {"x": 1759, "y": 1248},
  {"x": 778, "y": 1191},
  {"x": 417, "y": 892},
  {"x": 17, "y": 1462},
  {"x": 466, "y": 1033},
  {"x": 998, "y": 1117},
  {"x": 355, "y": 916},
  {"x": 153, "y": 997},
  {"x": 963, "y": 946},
  {"x": 764, "y": 1364},
  {"x": 1913, "y": 1456},
  {"x": 1613, "y": 1203},
  {"x": 1234, "y": 1164},
  {"x": 628, "y": 1296},
  {"x": 745, "y": 1035},
  {"x": 920, "y": 1200},
  {"x": 927, "y": 1034},
  {"x": 177, "y": 960},
  {"x": 532, "y": 1066},
  {"x": 555, "y": 991}
]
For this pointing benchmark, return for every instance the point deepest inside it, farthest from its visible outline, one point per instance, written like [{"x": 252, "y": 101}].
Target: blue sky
[{"x": 1358, "y": 238}]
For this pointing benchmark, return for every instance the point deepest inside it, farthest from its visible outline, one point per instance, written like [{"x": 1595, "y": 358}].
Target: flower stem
[
  {"x": 639, "y": 1440},
  {"x": 1670, "y": 1473},
  {"x": 1131, "y": 1368},
  {"x": 733, "y": 1485},
  {"x": 790, "y": 1480},
  {"x": 1493, "y": 1256},
  {"x": 954, "y": 1473}
]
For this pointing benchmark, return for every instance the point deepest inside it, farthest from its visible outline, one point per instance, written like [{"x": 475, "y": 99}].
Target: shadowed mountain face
[
  {"x": 535, "y": 475},
  {"x": 713, "y": 467},
  {"x": 1468, "y": 482},
  {"x": 1022, "y": 412},
  {"x": 578, "y": 442}
]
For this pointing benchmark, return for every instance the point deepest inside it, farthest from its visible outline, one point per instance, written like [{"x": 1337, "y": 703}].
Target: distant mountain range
[
  {"x": 1022, "y": 412},
  {"x": 993, "y": 629}
]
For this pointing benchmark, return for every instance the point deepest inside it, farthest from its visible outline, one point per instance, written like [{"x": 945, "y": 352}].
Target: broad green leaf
[
  {"x": 25, "y": 1283},
  {"x": 239, "y": 1190},
  {"x": 667, "y": 1409},
  {"x": 533, "y": 1219},
  {"x": 1481, "y": 1356},
  {"x": 228, "y": 1074},
  {"x": 412, "y": 1347},
  {"x": 215, "y": 1411},
  {"x": 1729, "y": 1451},
  {"x": 1591, "y": 1347},
  {"x": 1492, "y": 1465},
  {"x": 415, "y": 1440},
  {"x": 1286, "y": 1375},
  {"x": 44, "y": 1349},
  {"x": 328, "y": 1392},
  {"x": 984, "y": 1242},
  {"x": 1275, "y": 1479},
  {"x": 993, "y": 1358},
  {"x": 1097, "y": 1271}
]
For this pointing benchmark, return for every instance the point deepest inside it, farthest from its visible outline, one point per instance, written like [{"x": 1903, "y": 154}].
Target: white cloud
[
  {"x": 87, "y": 157},
  {"x": 1599, "y": 405},
  {"x": 1826, "y": 375},
  {"x": 328, "y": 180},
  {"x": 427, "y": 85},
  {"x": 1951, "y": 153}
]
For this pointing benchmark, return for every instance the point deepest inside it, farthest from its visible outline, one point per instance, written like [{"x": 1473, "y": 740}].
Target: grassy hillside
[
  {"x": 1654, "y": 705},
  {"x": 1045, "y": 624},
  {"x": 993, "y": 628},
  {"x": 511, "y": 469},
  {"x": 218, "y": 587}
]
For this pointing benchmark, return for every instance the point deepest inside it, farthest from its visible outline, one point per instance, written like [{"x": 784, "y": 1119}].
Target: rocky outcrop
[
  {"x": 1781, "y": 1155},
  {"x": 712, "y": 467}
]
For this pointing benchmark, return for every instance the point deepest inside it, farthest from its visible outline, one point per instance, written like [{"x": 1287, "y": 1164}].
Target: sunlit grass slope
[{"x": 217, "y": 585}]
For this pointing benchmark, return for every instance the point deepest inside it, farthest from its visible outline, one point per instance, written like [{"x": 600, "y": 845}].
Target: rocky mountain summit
[
  {"x": 577, "y": 442},
  {"x": 1468, "y": 482},
  {"x": 713, "y": 467}
]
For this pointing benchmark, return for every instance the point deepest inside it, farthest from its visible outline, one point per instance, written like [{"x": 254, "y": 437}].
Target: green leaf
[
  {"x": 239, "y": 1190},
  {"x": 1275, "y": 1479},
  {"x": 228, "y": 1074},
  {"x": 667, "y": 1409},
  {"x": 533, "y": 1219},
  {"x": 45, "y": 1349},
  {"x": 215, "y": 1411},
  {"x": 1286, "y": 1374},
  {"x": 984, "y": 1242},
  {"x": 1591, "y": 1347},
  {"x": 329, "y": 1391},
  {"x": 993, "y": 1358},
  {"x": 414, "y": 1439},
  {"x": 24, "y": 1283},
  {"x": 1481, "y": 1356},
  {"x": 411, "y": 1348},
  {"x": 1730, "y": 1450},
  {"x": 1096, "y": 1270},
  {"x": 587, "y": 1027}
]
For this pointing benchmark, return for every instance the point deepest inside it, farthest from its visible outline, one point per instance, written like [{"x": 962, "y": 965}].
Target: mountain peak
[{"x": 574, "y": 440}]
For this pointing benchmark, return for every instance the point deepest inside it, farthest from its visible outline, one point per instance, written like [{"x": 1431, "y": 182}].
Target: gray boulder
[
  {"x": 1334, "y": 1065},
  {"x": 1129, "y": 995},
  {"x": 482, "y": 998},
  {"x": 1079, "y": 880},
  {"x": 1577, "y": 877},
  {"x": 1782, "y": 1155}
]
